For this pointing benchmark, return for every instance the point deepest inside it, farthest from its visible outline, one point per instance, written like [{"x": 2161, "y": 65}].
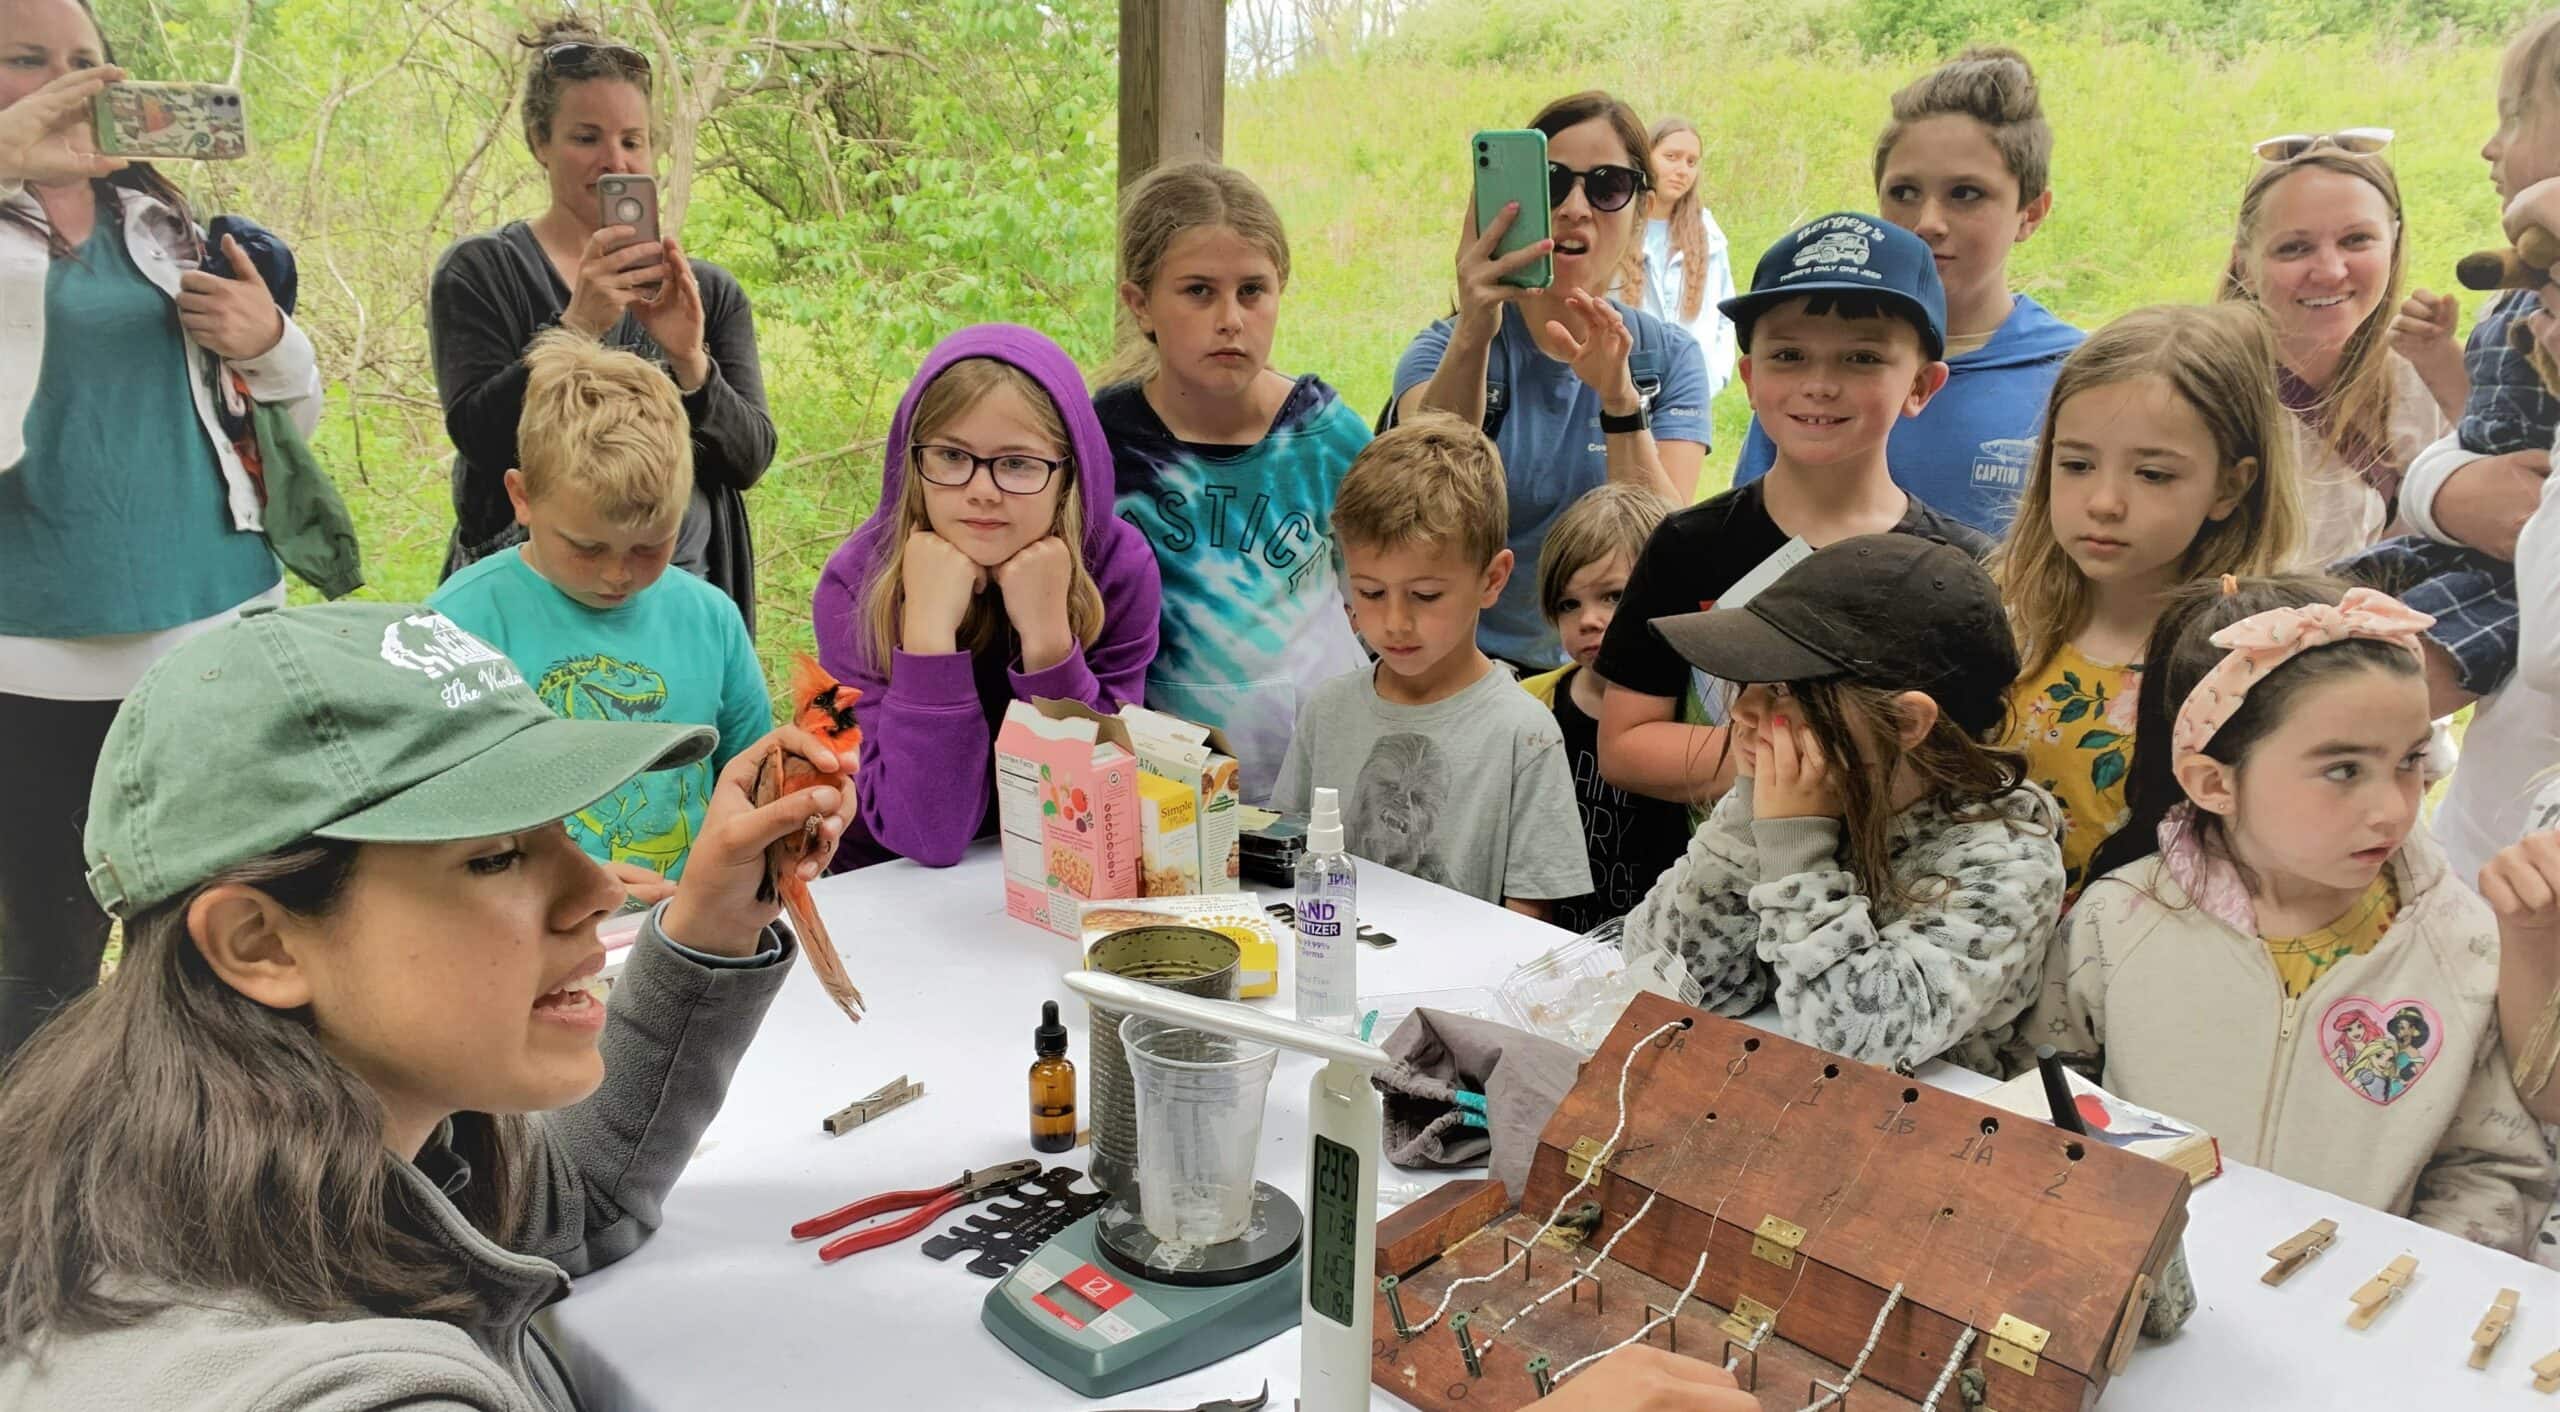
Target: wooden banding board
[
  {"x": 1429, "y": 1372},
  {"x": 1886, "y": 1189}
]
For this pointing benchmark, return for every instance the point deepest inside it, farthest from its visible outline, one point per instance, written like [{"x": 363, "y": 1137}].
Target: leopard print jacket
[{"x": 1756, "y": 908}]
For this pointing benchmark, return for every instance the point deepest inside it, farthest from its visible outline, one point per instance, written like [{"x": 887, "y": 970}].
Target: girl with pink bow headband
[{"x": 2287, "y": 961}]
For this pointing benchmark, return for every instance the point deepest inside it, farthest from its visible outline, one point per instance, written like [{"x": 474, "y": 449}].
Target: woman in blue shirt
[
  {"x": 129, "y": 521},
  {"x": 1574, "y": 387}
]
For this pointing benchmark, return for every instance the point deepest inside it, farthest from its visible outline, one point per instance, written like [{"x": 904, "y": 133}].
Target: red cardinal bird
[{"x": 823, "y": 707}]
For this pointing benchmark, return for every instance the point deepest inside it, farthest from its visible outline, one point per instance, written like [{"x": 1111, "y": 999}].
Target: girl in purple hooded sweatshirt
[{"x": 992, "y": 571}]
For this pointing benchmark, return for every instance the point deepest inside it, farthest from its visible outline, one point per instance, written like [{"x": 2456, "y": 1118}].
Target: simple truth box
[
  {"x": 1197, "y": 759},
  {"x": 1067, "y": 806}
]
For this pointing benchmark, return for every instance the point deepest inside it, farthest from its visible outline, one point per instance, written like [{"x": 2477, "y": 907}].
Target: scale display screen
[{"x": 1333, "y": 1234}]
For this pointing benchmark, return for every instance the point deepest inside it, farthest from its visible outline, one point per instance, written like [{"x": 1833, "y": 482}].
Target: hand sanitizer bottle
[{"x": 1328, "y": 912}]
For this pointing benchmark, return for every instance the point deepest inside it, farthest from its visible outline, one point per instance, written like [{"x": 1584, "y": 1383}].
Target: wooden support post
[{"x": 1173, "y": 82}]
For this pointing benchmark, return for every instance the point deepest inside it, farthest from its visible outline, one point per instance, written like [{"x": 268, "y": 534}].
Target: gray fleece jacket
[
  {"x": 596, "y": 1175},
  {"x": 1758, "y": 907}
]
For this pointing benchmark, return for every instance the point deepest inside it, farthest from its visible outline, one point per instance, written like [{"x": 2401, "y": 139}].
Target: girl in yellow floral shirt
[{"x": 2165, "y": 457}]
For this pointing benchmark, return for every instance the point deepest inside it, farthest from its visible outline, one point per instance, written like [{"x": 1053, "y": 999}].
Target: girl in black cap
[{"x": 1891, "y": 879}]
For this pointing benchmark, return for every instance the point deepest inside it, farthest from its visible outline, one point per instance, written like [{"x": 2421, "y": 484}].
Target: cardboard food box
[
  {"x": 1067, "y": 808},
  {"x": 1168, "y": 836},
  {"x": 1237, "y": 916},
  {"x": 1199, "y": 758}
]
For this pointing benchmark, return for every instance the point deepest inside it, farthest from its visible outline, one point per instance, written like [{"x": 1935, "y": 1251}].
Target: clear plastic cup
[{"x": 1199, "y": 1123}]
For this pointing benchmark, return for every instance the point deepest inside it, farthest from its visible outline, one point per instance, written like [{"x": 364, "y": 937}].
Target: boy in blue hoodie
[
  {"x": 1842, "y": 339},
  {"x": 1964, "y": 166}
]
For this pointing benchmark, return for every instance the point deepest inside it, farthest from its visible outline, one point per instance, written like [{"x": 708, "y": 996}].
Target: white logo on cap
[
  {"x": 1838, "y": 247},
  {"x": 432, "y": 645}
]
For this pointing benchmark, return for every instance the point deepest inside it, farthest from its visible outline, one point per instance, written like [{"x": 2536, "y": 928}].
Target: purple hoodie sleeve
[
  {"x": 1112, "y": 673},
  {"x": 926, "y": 767},
  {"x": 916, "y": 724}
]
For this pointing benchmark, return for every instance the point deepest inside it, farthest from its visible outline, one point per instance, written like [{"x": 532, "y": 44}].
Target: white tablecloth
[{"x": 722, "y": 1309}]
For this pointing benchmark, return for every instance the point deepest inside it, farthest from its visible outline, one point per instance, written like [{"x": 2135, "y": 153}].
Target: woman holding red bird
[
  {"x": 360, "y": 988},
  {"x": 993, "y": 571}
]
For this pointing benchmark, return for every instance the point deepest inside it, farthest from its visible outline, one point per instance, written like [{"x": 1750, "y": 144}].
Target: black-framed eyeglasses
[
  {"x": 571, "y": 55},
  {"x": 1609, "y": 187},
  {"x": 1013, "y": 472}
]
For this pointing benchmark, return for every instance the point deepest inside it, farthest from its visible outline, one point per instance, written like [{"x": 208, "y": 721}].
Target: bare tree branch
[{"x": 240, "y": 40}]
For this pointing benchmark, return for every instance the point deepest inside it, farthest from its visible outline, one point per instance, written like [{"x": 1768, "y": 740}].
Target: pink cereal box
[{"x": 1067, "y": 808}]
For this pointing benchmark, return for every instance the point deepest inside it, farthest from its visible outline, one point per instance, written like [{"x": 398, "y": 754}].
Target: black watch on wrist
[{"x": 1639, "y": 420}]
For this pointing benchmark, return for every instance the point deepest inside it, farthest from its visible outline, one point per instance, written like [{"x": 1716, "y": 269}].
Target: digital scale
[{"x": 1103, "y": 1309}]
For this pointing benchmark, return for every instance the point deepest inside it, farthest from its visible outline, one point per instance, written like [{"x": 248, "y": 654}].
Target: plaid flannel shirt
[{"x": 2473, "y": 595}]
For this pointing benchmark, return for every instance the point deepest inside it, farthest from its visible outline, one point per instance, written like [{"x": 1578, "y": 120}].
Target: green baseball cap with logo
[{"x": 367, "y": 722}]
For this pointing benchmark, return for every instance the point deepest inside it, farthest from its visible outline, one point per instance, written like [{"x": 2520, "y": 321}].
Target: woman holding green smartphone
[
  {"x": 129, "y": 519},
  {"x": 1574, "y": 387}
]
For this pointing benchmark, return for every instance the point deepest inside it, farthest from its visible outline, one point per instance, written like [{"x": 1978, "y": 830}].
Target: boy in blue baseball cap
[{"x": 1843, "y": 335}]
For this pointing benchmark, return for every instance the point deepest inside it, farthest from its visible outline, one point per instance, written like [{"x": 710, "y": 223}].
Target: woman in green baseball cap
[{"x": 351, "y": 1109}]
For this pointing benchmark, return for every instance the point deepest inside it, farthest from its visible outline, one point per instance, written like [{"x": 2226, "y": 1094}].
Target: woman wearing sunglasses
[
  {"x": 2320, "y": 246},
  {"x": 586, "y": 115},
  {"x": 1574, "y": 387}
]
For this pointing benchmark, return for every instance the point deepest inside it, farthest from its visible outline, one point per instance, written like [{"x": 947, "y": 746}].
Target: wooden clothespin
[
  {"x": 2493, "y": 1327},
  {"x": 2546, "y": 1374},
  {"x": 2373, "y": 1294},
  {"x": 2297, "y": 1252},
  {"x": 895, "y": 1094}
]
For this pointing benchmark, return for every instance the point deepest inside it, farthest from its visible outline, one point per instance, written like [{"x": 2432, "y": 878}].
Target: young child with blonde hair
[
  {"x": 585, "y": 606},
  {"x": 1227, "y": 466},
  {"x": 1582, "y": 573},
  {"x": 2164, "y": 458}
]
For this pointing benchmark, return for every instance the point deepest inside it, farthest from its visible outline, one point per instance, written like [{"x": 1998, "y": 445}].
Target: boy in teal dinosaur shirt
[{"x": 585, "y": 606}]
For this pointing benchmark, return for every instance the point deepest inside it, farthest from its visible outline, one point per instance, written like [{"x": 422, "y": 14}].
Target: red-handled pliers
[{"x": 933, "y": 1201}]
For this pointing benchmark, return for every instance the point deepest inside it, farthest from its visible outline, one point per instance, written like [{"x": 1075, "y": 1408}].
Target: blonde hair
[
  {"x": 1158, "y": 208},
  {"x": 1611, "y": 520},
  {"x": 2529, "y": 73},
  {"x": 1688, "y": 228},
  {"x": 2220, "y": 361},
  {"x": 952, "y": 392},
  {"x": 1433, "y": 482},
  {"x": 1996, "y": 87},
  {"x": 607, "y": 425},
  {"x": 2355, "y": 411}
]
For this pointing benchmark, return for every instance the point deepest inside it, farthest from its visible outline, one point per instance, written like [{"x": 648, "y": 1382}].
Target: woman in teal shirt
[{"x": 128, "y": 519}]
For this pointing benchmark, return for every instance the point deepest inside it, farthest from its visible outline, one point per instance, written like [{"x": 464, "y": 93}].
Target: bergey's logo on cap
[
  {"x": 433, "y": 646},
  {"x": 1838, "y": 247}
]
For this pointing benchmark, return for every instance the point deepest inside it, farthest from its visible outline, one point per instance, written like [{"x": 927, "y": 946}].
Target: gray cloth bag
[{"x": 1437, "y": 1056}]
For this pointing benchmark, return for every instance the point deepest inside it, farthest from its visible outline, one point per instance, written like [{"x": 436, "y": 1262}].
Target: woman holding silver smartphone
[
  {"x": 587, "y": 120},
  {"x": 130, "y": 520}
]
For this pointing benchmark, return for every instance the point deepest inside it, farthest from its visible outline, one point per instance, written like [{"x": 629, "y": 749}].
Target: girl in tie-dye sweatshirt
[{"x": 1227, "y": 467}]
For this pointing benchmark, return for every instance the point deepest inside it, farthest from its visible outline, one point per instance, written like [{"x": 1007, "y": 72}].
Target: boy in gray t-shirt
[{"x": 1448, "y": 771}]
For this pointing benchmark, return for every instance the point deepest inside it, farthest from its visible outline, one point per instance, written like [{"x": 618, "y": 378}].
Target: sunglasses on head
[
  {"x": 1609, "y": 187},
  {"x": 2362, "y": 141},
  {"x": 575, "y": 54}
]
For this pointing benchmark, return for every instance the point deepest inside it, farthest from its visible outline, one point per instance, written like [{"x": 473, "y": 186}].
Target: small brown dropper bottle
[{"x": 1053, "y": 1085}]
